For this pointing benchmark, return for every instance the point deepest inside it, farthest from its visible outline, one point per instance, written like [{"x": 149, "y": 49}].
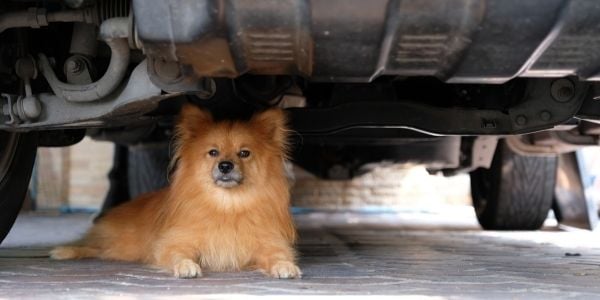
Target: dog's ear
[
  {"x": 273, "y": 122},
  {"x": 191, "y": 120}
]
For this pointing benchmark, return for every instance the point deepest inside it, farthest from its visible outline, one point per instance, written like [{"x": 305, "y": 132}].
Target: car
[{"x": 504, "y": 90}]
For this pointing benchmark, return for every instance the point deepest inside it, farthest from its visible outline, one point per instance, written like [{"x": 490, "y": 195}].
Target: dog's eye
[
  {"x": 213, "y": 153},
  {"x": 244, "y": 154}
]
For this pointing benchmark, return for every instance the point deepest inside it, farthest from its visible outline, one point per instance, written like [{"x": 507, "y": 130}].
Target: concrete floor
[{"x": 440, "y": 254}]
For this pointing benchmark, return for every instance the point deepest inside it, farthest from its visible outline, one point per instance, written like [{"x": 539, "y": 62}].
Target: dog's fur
[{"x": 197, "y": 223}]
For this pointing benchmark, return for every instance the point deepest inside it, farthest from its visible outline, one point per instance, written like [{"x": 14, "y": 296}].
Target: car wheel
[
  {"x": 516, "y": 192},
  {"x": 17, "y": 154}
]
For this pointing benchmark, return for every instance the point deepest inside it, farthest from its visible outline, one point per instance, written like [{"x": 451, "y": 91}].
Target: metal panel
[{"x": 461, "y": 41}]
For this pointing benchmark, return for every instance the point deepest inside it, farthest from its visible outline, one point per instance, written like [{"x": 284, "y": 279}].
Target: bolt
[
  {"x": 545, "y": 115},
  {"x": 521, "y": 120},
  {"x": 565, "y": 92},
  {"x": 167, "y": 70},
  {"x": 74, "y": 66},
  {"x": 562, "y": 90}
]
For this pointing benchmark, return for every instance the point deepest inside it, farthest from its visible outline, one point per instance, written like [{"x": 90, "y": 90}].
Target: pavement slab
[{"x": 412, "y": 255}]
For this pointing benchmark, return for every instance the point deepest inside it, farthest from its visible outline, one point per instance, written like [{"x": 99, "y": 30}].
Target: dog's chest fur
[{"x": 227, "y": 245}]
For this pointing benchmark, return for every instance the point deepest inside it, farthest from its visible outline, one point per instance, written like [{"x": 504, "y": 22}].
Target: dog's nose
[{"x": 225, "y": 167}]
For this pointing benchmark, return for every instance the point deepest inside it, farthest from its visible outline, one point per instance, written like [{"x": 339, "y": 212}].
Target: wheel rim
[{"x": 8, "y": 142}]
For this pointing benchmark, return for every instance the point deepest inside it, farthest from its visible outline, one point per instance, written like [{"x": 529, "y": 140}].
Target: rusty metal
[
  {"x": 457, "y": 41},
  {"x": 171, "y": 76}
]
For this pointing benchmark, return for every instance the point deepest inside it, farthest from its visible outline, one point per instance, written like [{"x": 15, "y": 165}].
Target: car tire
[
  {"x": 516, "y": 192},
  {"x": 17, "y": 155}
]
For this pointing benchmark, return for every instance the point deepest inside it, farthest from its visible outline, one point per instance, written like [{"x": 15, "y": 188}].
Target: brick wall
[
  {"x": 389, "y": 185},
  {"x": 77, "y": 176},
  {"x": 52, "y": 183},
  {"x": 74, "y": 176}
]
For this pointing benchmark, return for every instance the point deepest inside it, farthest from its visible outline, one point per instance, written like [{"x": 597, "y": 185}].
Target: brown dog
[{"x": 226, "y": 209}]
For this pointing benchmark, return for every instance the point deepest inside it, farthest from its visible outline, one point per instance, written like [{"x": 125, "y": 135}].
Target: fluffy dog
[{"x": 226, "y": 209}]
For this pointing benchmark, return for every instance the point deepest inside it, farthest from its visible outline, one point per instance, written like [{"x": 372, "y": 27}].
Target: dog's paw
[
  {"x": 285, "y": 270},
  {"x": 187, "y": 269},
  {"x": 62, "y": 253}
]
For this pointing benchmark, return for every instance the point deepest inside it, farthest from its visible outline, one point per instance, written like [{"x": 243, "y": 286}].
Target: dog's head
[{"x": 231, "y": 155}]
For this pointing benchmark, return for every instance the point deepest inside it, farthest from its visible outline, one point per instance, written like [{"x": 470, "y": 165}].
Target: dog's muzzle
[{"x": 226, "y": 174}]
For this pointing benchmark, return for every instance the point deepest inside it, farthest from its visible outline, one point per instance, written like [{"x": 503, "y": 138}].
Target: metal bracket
[
  {"x": 7, "y": 109},
  {"x": 483, "y": 151},
  {"x": 533, "y": 113},
  {"x": 136, "y": 96}
]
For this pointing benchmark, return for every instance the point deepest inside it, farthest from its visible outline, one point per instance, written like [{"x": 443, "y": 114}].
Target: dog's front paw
[
  {"x": 60, "y": 253},
  {"x": 285, "y": 270},
  {"x": 187, "y": 268}
]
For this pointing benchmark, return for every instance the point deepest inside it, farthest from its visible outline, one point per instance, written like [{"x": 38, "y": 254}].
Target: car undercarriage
[{"x": 448, "y": 84}]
